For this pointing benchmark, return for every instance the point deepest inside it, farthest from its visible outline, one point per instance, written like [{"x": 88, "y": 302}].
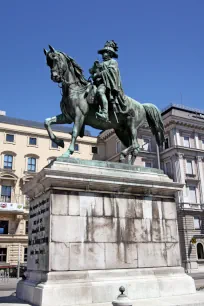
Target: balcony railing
[
  {"x": 6, "y": 199},
  {"x": 190, "y": 175},
  {"x": 193, "y": 206},
  {"x": 13, "y": 237}
]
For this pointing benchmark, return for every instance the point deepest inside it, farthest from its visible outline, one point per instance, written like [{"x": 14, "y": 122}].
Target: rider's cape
[
  {"x": 111, "y": 79},
  {"x": 110, "y": 76}
]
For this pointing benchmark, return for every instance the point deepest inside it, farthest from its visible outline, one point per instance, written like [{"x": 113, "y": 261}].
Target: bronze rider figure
[{"x": 106, "y": 77}]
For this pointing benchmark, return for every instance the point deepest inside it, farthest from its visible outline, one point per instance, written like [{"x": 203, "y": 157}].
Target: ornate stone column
[
  {"x": 196, "y": 140},
  {"x": 201, "y": 177},
  {"x": 180, "y": 176},
  {"x": 176, "y": 137}
]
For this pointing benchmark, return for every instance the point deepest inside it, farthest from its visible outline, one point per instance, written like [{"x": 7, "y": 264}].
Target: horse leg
[
  {"x": 133, "y": 149},
  {"x": 78, "y": 123},
  {"x": 135, "y": 145},
  {"x": 59, "y": 119},
  {"x": 125, "y": 153},
  {"x": 123, "y": 135}
]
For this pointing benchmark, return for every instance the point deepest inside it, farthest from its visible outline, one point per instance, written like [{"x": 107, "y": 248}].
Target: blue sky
[{"x": 161, "y": 49}]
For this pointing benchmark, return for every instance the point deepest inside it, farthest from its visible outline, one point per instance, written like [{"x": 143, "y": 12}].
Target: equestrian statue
[{"x": 99, "y": 102}]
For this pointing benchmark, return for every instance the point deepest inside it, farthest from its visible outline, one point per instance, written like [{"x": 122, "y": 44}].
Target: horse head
[
  {"x": 60, "y": 63},
  {"x": 57, "y": 63}
]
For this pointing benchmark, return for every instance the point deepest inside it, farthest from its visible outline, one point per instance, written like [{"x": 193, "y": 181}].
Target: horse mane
[{"x": 77, "y": 69}]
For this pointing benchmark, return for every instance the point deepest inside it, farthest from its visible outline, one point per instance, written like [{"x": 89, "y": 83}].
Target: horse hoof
[
  {"x": 122, "y": 158},
  {"x": 66, "y": 154},
  {"x": 59, "y": 142}
]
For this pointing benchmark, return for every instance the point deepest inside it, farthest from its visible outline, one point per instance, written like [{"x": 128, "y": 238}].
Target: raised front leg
[
  {"x": 59, "y": 119},
  {"x": 79, "y": 121}
]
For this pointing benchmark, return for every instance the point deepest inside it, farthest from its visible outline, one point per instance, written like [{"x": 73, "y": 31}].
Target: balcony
[
  {"x": 6, "y": 199},
  {"x": 191, "y": 178},
  {"x": 9, "y": 207},
  {"x": 12, "y": 238},
  {"x": 191, "y": 206},
  {"x": 190, "y": 175}
]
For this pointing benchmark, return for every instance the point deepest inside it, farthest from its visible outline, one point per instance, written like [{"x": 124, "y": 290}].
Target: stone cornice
[
  {"x": 185, "y": 123},
  {"x": 104, "y": 177},
  {"x": 106, "y": 134},
  {"x": 183, "y": 150}
]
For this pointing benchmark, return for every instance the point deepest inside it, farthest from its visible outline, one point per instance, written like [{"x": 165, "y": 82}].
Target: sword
[{"x": 114, "y": 111}]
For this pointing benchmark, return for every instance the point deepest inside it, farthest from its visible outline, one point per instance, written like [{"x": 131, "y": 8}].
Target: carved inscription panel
[{"x": 38, "y": 234}]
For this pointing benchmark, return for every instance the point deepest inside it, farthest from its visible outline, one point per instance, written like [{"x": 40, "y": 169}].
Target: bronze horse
[{"x": 76, "y": 108}]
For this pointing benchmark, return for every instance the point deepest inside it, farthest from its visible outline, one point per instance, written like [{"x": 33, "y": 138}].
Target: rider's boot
[{"x": 103, "y": 114}]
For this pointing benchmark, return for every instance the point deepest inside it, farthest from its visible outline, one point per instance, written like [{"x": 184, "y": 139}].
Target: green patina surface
[
  {"x": 106, "y": 164},
  {"x": 100, "y": 103}
]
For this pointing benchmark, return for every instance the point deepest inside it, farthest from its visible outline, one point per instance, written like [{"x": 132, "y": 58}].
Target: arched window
[
  {"x": 32, "y": 164},
  {"x": 200, "y": 252},
  {"x": 8, "y": 161}
]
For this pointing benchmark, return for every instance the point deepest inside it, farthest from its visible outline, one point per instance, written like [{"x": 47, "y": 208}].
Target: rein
[
  {"x": 69, "y": 84},
  {"x": 73, "y": 83}
]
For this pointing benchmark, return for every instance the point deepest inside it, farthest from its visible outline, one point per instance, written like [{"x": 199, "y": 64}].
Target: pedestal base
[
  {"x": 94, "y": 287},
  {"x": 94, "y": 226}
]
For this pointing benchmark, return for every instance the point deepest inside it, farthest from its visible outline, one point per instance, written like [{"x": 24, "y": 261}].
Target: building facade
[
  {"x": 25, "y": 149},
  {"x": 182, "y": 159}
]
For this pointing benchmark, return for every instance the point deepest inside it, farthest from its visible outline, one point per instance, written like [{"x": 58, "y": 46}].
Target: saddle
[{"x": 90, "y": 94}]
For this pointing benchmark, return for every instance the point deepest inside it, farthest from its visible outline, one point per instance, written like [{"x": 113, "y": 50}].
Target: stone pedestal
[{"x": 94, "y": 226}]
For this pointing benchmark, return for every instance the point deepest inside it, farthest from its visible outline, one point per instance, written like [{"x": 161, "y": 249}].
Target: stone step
[{"x": 184, "y": 300}]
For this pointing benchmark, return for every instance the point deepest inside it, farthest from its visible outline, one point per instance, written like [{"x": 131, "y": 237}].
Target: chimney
[{"x": 2, "y": 113}]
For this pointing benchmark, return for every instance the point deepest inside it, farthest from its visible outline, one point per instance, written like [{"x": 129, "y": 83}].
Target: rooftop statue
[{"x": 99, "y": 102}]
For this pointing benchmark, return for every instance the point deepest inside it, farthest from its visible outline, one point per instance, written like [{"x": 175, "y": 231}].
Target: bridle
[
  {"x": 63, "y": 81},
  {"x": 60, "y": 73}
]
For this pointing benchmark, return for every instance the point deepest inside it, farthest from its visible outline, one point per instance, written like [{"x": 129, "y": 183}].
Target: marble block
[{"x": 94, "y": 226}]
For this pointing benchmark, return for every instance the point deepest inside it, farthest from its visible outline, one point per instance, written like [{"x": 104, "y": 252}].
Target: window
[
  {"x": 94, "y": 150},
  {"x": 3, "y": 253},
  {"x": 4, "y": 227},
  {"x": 6, "y": 193},
  {"x": 54, "y": 145},
  {"x": 118, "y": 147},
  {"x": 76, "y": 147},
  {"x": 147, "y": 144},
  {"x": 189, "y": 169},
  {"x": 8, "y": 161},
  {"x": 25, "y": 254},
  {"x": 197, "y": 223},
  {"x": 26, "y": 228},
  {"x": 148, "y": 164},
  {"x": 200, "y": 252},
  {"x": 166, "y": 143},
  {"x": 9, "y": 138},
  {"x": 192, "y": 194},
  {"x": 32, "y": 141},
  {"x": 32, "y": 164},
  {"x": 186, "y": 141}
]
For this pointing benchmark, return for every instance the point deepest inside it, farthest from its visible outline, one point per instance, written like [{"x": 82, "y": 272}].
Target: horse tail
[{"x": 155, "y": 122}]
